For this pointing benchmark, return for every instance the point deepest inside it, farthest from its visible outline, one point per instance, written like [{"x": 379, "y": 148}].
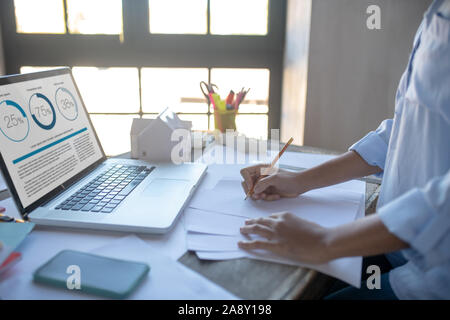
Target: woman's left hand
[{"x": 288, "y": 236}]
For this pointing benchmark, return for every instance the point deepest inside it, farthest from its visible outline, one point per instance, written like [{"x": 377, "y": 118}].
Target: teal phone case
[{"x": 102, "y": 276}]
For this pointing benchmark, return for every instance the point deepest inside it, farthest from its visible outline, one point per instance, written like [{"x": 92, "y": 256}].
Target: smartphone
[{"x": 92, "y": 274}]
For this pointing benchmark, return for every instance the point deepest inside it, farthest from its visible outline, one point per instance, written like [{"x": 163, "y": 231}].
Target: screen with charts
[{"x": 45, "y": 135}]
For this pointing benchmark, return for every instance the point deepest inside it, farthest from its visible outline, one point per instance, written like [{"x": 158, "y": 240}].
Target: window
[
  {"x": 113, "y": 132},
  {"x": 239, "y": 17},
  {"x": 177, "y": 88},
  {"x": 134, "y": 58},
  {"x": 90, "y": 17},
  {"x": 178, "y": 16},
  {"x": 45, "y": 16},
  {"x": 83, "y": 16},
  {"x": 108, "y": 90}
]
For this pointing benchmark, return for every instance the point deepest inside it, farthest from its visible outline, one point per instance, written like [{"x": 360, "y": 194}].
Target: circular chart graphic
[
  {"x": 14, "y": 122},
  {"x": 42, "y": 111},
  {"x": 66, "y": 103}
]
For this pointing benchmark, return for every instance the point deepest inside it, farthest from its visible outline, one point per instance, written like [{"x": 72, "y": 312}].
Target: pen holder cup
[{"x": 224, "y": 120}]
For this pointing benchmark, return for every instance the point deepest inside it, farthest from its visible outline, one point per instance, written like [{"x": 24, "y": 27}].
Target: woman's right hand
[
  {"x": 281, "y": 183},
  {"x": 278, "y": 184}
]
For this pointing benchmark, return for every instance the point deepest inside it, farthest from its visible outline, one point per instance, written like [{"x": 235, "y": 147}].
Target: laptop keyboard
[{"x": 105, "y": 192}]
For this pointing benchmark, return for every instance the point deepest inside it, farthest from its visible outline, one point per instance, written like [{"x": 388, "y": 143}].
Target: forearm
[
  {"x": 363, "y": 237},
  {"x": 343, "y": 168}
]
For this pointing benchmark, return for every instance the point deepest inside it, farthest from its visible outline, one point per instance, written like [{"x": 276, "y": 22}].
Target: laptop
[{"x": 58, "y": 173}]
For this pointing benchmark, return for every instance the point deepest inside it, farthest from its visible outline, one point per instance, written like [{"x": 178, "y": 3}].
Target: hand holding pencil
[{"x": 258, "y": 184}]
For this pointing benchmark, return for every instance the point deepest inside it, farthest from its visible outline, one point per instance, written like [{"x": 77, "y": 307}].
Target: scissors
[{"x": 207, "y": 88}]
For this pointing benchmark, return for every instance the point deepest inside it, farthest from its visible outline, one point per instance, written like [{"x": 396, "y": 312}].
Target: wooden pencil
[{"x": 274, "y": 162}]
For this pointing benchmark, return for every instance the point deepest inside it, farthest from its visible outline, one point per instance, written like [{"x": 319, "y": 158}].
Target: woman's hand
[
  {"x": 281, "y": 183},
  {"x": 288, "y": 236},
  {"x": 278, "y": 184},
  {"x": 307, "y": 242}
]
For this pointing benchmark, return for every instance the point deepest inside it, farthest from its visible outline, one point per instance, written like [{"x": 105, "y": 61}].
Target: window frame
[{"x": 139, "y": 48}]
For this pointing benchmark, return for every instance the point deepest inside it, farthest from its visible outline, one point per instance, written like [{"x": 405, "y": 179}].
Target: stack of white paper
[
  {"x": 218, "y": 210},
  {"x": 215, "y": 215}
]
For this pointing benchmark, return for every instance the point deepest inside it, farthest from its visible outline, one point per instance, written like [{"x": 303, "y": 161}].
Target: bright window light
[
  {"x": 43, "y": 16},
  {"x": 199, "y": 122},
  {"x": 256, "y": 101},
  {"x": 108, "y": 90},
  {"x": 94, "y": 16},
  {"x": 238, "y": 17},
  {"x": 113, "y": 132},
  {"x": 177, "y": 88},
  {"x": 28, "y": 69},
  {"x": 178, "y": 16},
  {"x": 253, "y": 126}
]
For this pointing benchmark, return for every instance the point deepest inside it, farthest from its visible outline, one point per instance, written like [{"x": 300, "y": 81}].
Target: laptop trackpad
[{"x": 167, "y": 188}]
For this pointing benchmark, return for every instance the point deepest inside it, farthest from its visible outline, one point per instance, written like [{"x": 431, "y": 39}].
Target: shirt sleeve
[
  {"x": 373, "y": 147},
  {"x": 421, "y": 217}
]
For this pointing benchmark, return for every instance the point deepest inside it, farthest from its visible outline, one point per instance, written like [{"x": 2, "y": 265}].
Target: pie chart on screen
[
  {"x": 67, "y": 105},
  {"x": 14, "y": 122},
  {"x": 42, "y": 111}
]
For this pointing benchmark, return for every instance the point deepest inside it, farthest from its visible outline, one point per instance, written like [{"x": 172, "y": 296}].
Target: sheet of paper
[
  {"x": 203, "y": 240},
  {"x": 219, "y": 247},
  {"x": 214, "y": 235},
  {"x": 172, "y": 243},
  {"x": 220, "y": 154},
  {"x": 328, "y": 208},
  {"x": 201, "y": 221},
  {"x": 168, "y": 279},
  {"x": 217, "y": 172},
  {"x": 219, "y": 167},
  {"x": 44, "y": 242},
  {"x": 220, "y": 255},
  {"x": 345, "y": 269},
  {"x": 212, "y": 231},
  {"x": 214, "y": 242},
  {"x": 304, "y": 160}
]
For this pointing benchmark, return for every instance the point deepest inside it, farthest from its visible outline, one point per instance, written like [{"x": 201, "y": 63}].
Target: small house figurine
[{"x": 151, "y": 138}]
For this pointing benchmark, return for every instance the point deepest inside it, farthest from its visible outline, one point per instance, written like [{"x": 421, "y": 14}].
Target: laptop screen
[{"x": 46, "y": 137}]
